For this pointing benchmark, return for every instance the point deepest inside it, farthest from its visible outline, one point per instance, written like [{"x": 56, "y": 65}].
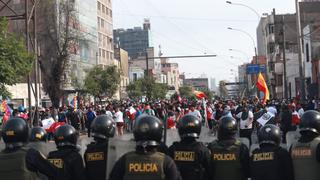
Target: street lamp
[
  {"x": 253, "y": 42},
  {"x": 239, "y": 4}
]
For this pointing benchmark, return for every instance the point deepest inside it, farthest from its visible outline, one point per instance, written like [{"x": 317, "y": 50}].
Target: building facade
[
  {"x": 105, "y": 32},
  {"x": 135, "y": 41},
  {"x": 171, "y": 72},
  {"x": 197, "y": 83}
]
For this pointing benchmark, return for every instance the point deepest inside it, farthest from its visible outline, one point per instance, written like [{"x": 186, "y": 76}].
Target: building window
[
  {"x": 103, "y": 9},
  {"x": 107, "y": 11},
  {"x": 135, "y": 76},
  {"x": 307, "y": 53},
  {"x": 110, "y": 13},
  {"x": 271, "y": 28},
  {"x": 102, "y": 23},
  {"x": 279, "y": 80},
  {"x": 99, "y": 52},
  {"x": 98, "y": 22},
  {"x": 103, "y": 53},
  {"x": 99, "y": 6}
]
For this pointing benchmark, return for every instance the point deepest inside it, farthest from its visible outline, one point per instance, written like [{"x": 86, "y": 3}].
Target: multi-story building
[
  {"x": 122, "y": 56},
  {"x": 135, "y": 41},
  {"x": 197, "y": 83},
  {"x": 271, "y": 42},
  {"x": 171, "y": 71},
  {"x": 105, "y": 32},
  {"x": 310, "y": 20}
]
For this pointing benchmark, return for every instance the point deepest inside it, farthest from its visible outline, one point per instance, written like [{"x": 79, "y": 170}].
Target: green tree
[
  {"x": 147, "y": 86},
  {"x": 186, "y": 92},
  {"x": 59, "y": 36},
  {"x": 208, "y": 93},
  {"x": 15, "y": 61},
  {"x": 101, "y": 82}
]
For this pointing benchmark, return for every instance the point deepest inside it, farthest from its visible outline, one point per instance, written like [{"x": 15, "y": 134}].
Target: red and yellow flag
[
  {"x": 200, "y": 94},
  {"x": 262, "y": 86}
]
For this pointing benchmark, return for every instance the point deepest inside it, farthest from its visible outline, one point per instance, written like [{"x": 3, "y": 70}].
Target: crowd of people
[{"x": 188, "y": 159}]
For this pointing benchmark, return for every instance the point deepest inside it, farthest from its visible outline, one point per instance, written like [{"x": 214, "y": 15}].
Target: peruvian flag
[
  {"x": 179, "y": 98},
  {"x": 200, "y": 94}
]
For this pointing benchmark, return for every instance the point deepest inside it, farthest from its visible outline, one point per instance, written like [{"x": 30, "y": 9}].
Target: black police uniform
[
  {"x": 19, "y": 162},
  {"x": 67, "y": 158},
  {"x": 271, "y": 161},
  {"x": 229, "y": 157},
  {"x": 95, "y": 157},
  {"x": 146, "y": 163},
  {"x": 191, "y": 158},
  {"x": 306, "y": 152}
]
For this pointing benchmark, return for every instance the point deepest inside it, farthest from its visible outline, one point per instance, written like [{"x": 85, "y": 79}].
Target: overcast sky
[{"x": 195, "y": 27}]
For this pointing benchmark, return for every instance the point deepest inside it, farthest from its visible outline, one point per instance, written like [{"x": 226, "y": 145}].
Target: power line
[{"x": 187, "y": 18}]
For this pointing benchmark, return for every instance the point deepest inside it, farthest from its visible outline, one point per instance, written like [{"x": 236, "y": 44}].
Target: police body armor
[
  {"x": 186, "y": 157},
  {"x": 144, "y": 166},
  {"x": 304, "y": 160},
  {"x": 95, "y": 158},
  {"x": 63, "y": 161},
  {"x": 225, "y": 161},
  {"x": 266, "y": 164},
  {"x": 13, "y": 166}
]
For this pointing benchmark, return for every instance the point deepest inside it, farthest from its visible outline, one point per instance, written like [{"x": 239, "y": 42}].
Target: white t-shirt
[
  {"x": 244, "y": 123},
  {"x": 196, "y": 113},
  {"x": 118, "y": 117},
  {"x": 109, "y": 113}
]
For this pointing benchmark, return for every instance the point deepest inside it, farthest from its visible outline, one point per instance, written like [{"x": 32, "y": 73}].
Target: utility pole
[
  {"x": 301, "y": 65},
  {"x": 147, "y": 64},
  {"x": 284, "y": 60}
]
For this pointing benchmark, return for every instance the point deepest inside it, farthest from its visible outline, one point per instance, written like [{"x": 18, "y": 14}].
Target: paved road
[{"x": 172, "y": 136}]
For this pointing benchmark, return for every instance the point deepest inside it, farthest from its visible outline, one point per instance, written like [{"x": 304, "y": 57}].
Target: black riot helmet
[
  {"x": 66, "y": 135},
  {"x": 38, "y": 134},
  {"x": 269, "y": 134},
  {"x": 227, "y": 128},
  {"x": 310, "y": 122},
  {"x": 148, "y": 130},
  {"x": 15, "y": 132},
  {"x": 189, "y": 126},
  {"x": 103, "y": 127}
]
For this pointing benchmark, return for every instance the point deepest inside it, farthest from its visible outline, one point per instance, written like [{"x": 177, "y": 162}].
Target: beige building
[
  {"x": 105, "y": 33},
  {"x": 122, "y": 57},
  {"x": 171, "y": 72}
]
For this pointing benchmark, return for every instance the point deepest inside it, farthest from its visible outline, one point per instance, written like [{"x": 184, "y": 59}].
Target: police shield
[
  {"x": 43, "y": 147},
  {"x": 291, "y": 137},
  {"x": 117, "y": 147},
  {"x": 172, "y": 136},
  {"x": 245, "y": 141}
]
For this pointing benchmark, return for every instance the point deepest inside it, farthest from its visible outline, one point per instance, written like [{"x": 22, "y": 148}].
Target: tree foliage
[
  {"x": 15, "y": 61},
  {"x": 186, "y": 92},
  {"x": 58, "y": 37},
  {"x": 101, "y": 82},
  {"x": 147, "y": 86}
]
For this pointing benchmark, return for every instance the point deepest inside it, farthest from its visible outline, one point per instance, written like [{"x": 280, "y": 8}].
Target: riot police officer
[
  {"x": 306, "y": 152},
  {"x": 16, "y": 160},
  {"x": 229, "y": 157},
  {"x": 190, "y": 156},
  {"x": 271, "y": 161},
  {"x": 38, "y": 139},
  {"x": 145, "y": 163},
  {"x": 95, "y": 157},
  {"x": 67, "y": 158}
]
